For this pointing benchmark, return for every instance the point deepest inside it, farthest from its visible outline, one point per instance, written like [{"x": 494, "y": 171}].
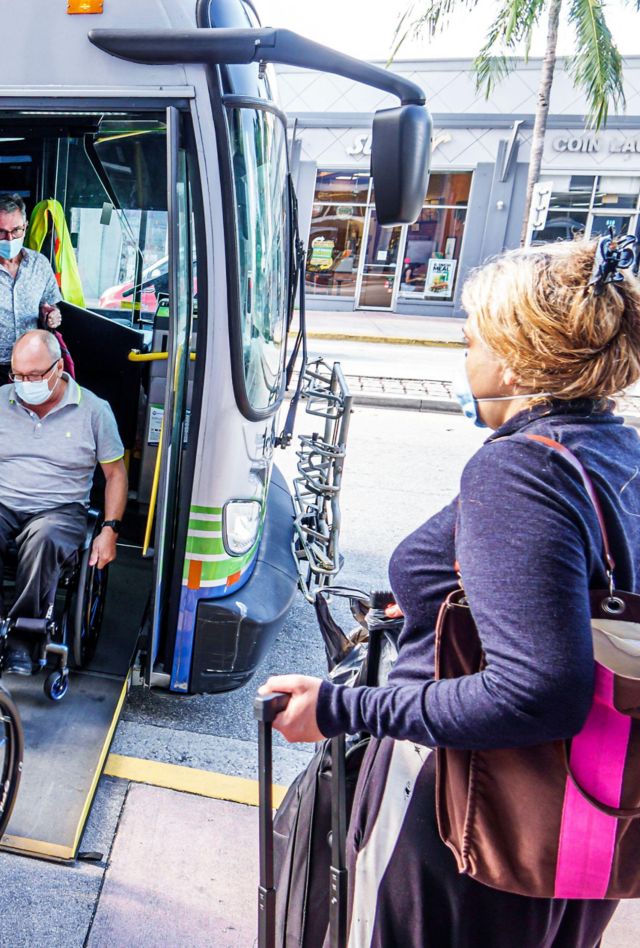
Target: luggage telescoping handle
[
  {"x": 338, "y": 869},
  {"x": 265, "y": 710}
]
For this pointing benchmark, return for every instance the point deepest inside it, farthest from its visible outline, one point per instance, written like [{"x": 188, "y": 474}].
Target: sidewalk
[
  {"x": 206, "y": 891},
  {"x": 391, "y": 328},
  {"x": 166, "y": 869}
]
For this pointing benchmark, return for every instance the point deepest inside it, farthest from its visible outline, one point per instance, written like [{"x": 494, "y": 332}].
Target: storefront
[
  {"x": 350, "y": 256},
  {"x": 594, "y": 181},
  {"x": 475, "y": 199}
]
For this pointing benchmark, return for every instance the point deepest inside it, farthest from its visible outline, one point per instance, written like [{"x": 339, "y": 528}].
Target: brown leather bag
[{"x": 557, "y": 819}]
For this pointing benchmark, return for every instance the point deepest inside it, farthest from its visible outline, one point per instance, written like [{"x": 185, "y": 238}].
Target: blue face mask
[
  {"x": 34, "y": 393},
  {"x": 11, "y": 248},
  {"x": 465, "y": 397},
  {"x": 469, "y": 403}
]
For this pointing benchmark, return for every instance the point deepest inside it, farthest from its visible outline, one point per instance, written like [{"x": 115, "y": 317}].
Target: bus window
[
  {"x": 116, "y": 198},
  {"x": 108, "y": 172},
  {"x": 259, "y": 163}
]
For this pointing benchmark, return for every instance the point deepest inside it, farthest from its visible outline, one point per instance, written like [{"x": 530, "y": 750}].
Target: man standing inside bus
[
  {"x": 28, "y": 286},
  {"x": 52, "y": 434}
]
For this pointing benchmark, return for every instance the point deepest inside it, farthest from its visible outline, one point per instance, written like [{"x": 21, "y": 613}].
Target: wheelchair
[{"x": 76, "y": 626}]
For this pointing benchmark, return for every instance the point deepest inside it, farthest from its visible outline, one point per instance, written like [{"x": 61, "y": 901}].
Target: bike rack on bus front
[{"x": 316, "y": 495}]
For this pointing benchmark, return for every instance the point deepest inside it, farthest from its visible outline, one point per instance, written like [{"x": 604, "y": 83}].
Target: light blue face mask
[
  {"x": 465, "y": 397},
  {"x": 11, "y": 248},
  {"x": 469, "y": 403},
  {"x": 35, "y": 393}
]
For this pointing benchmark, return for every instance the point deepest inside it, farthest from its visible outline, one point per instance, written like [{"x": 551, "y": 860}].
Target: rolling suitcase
[
  {"x": 303, "y": 848},
  {"x": 265, "y": 709}
]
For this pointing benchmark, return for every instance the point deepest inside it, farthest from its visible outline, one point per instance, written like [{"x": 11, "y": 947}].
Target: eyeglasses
[
  {"x": 32, "y": 376},
  {"x": 12, "y": 234}
]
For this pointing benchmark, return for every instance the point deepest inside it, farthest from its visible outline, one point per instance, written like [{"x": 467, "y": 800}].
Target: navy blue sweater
[{"x": 529, "y": 548}]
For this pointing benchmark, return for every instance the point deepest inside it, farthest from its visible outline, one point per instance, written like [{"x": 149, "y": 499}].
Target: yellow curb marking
[
  {"x": 204, "y": 783},
  {"x": 389, "y": 340}
]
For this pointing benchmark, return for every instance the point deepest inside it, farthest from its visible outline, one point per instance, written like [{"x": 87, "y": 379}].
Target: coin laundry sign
[{"x": 593, "y": 143}]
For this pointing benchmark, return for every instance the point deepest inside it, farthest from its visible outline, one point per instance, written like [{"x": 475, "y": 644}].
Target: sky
[{"x": 365, "y": 28}]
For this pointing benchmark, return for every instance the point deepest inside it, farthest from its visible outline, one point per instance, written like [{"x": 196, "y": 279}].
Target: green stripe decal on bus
[
  {"x": 207, "y": 564},
  {"x": 210, "y": 526},
  {"x": 219, "y": 569},
  {"x": 204, "y": 545}
]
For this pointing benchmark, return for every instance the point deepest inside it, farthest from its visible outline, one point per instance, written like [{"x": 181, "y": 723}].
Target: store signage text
[
  {"x": 592, "y": 143},
  {"x": 361, "y": 147}
]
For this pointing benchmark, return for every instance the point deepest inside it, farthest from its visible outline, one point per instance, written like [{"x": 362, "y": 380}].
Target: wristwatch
[{"x": 114, "y": 524}]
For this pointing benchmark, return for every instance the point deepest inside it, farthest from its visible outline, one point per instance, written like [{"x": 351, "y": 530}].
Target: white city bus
[{"x": 152, "y": 128}]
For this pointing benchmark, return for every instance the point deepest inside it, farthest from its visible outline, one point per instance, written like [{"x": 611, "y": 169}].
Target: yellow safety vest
[{"x": 48, "y": 214}]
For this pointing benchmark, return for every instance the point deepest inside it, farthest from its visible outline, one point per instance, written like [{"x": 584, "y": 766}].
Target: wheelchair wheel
[
  {"x": 56, "y": 685},
  {"x": 11, "y": 754},
  {"x": 88, "y": 611}
]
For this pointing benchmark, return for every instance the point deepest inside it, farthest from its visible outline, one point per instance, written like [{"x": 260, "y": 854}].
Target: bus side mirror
[{"x": 400, "y": 154}]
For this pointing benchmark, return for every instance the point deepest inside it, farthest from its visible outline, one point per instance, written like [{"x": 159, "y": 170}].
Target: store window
[
  {"x": 351, "y": 187},
  {"x": 335, "y": 238},
  {"x": 429, "y": 249},
  {"x": 433, "y": 244},
  {"x": 589, "y": 205}
]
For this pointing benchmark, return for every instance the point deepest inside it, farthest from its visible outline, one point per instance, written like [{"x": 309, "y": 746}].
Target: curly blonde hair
[{"x": 537, "y": 313}]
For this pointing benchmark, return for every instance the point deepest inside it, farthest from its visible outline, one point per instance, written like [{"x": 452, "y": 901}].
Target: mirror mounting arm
[{"x": 213, "y": 46}]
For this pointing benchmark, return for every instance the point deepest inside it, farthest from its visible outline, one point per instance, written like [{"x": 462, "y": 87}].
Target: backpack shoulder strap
[{"x": 590, "y": 489}]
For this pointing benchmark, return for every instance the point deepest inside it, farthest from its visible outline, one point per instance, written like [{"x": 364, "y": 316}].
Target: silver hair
[
  {"x": 47, "y": 338},
  {"x": 12, "y": 202}
]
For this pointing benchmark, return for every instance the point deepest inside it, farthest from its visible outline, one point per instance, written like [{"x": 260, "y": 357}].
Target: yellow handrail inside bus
[
  {"x": 135, "y": 356},
  {"x": 154, "y": 494}
]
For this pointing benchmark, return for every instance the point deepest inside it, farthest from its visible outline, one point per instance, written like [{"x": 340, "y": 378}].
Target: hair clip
[{"x": 612, "y": 255}]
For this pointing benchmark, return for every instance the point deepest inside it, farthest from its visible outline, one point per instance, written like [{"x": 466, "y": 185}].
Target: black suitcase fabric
[
  {"x": 303, "y": 876},
  {"x": 302, "y": 848}
]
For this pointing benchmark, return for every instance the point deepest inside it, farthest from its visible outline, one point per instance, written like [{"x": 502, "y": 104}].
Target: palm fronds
[
  {"x": 596, "y": 66},
  {"x": 512, "y": 26}
]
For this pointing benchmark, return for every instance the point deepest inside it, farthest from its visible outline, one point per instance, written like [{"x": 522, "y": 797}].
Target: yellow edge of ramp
[
  {"x": 103, "y": 756},
  {"x": 204, "y": 783},
  {"x": 23, "y": 846}
]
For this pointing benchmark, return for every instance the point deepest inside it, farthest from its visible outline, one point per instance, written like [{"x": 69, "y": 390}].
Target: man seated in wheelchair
[{"x": 52, "y": 434}]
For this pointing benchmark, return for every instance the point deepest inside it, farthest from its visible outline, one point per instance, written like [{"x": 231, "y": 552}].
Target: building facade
[{"x": 474, "y": 204}]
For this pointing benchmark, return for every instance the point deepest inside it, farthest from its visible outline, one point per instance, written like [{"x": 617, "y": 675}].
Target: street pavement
[
  {"x": 171, "y": 868},
  {"x": 404, "y": 362}
]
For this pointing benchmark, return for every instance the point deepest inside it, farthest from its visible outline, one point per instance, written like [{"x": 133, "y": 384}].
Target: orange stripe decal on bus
[
  {"x": 233, "y": 578},
  {"x": 195, "y": 573}
]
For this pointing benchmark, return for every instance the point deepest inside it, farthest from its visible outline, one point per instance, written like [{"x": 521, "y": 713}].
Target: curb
[
  {"x": 407, "y": 402},
  {"x": 440, "y": 405},
  {"x": 388, "y": 340}
]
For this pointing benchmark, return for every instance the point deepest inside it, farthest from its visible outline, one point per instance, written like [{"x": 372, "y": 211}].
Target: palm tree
[{"x": 596, "y": 65}]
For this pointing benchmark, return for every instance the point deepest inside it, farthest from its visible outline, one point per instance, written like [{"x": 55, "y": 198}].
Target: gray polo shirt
[
  {"x": 20, "y": 299},
  {"x": 46, "y": 462}
]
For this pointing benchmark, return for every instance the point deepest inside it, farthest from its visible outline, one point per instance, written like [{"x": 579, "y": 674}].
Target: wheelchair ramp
[{"x": 66, "y": 744}]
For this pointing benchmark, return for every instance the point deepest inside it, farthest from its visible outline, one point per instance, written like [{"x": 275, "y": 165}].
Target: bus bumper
[{"x": 234, "y": 633}]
